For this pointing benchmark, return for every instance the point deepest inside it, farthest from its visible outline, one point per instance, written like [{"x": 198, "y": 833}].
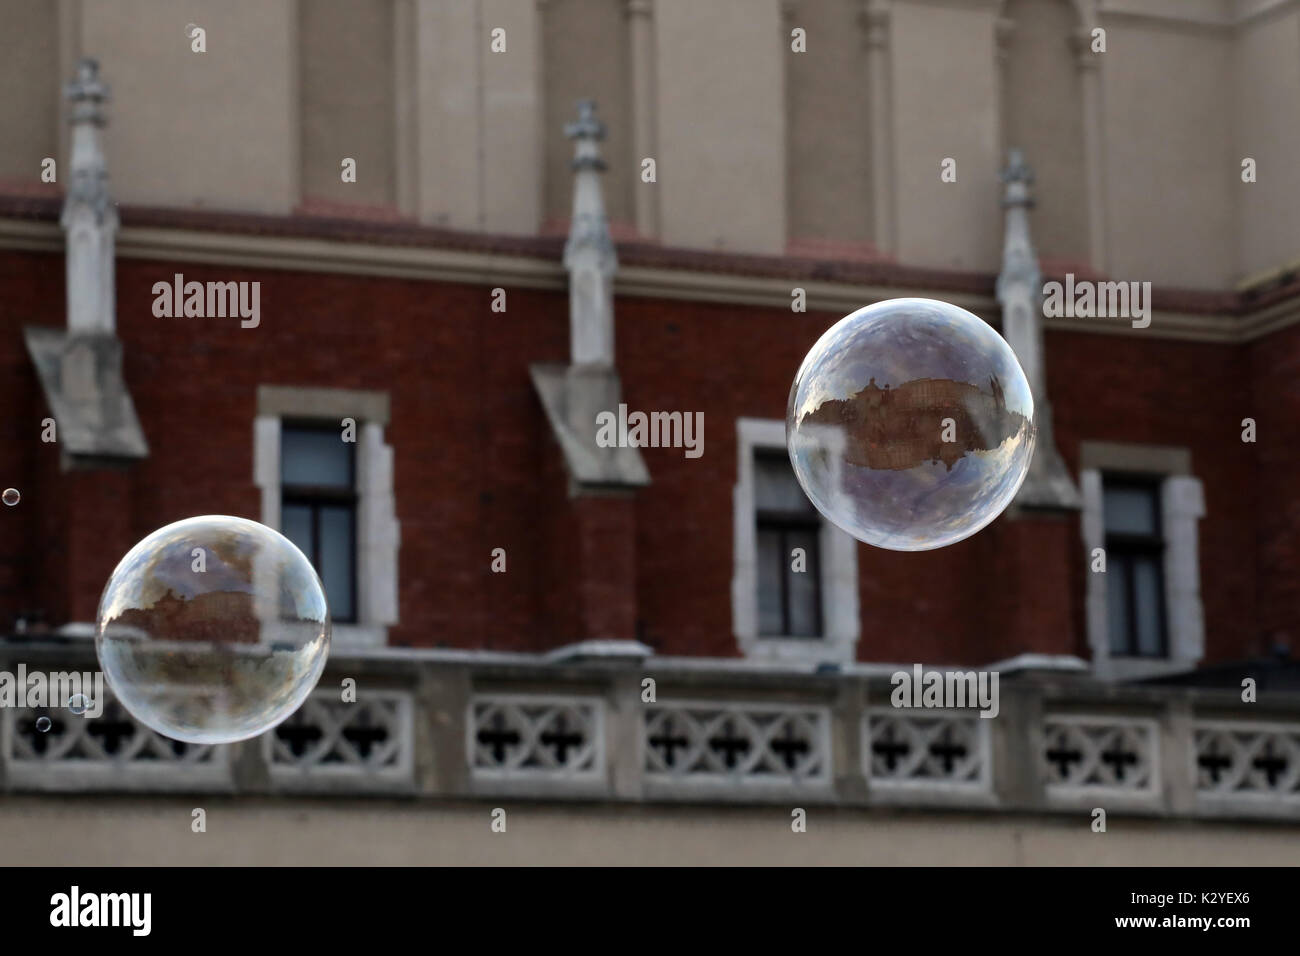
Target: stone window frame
[
  {"x": 1182, "y": 505},
  {"x": 841, "y": 624},
  {"x": 378, "y": 530}
]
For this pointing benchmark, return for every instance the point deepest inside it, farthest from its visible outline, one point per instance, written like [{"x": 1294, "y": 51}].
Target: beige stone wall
[
  {"x": 721, "y": 124},
  {"x": 478, "y": 138},
  {"x": 756, "y": 146},
  {"x": 1043, "y": 116},
  {"x": 828, "y": 126},
  {"x": 348, "y": 100},
  {"x": 945, "y": 107},
  {"x": 216, "y": 129},
  {"x": 114, "y": 831},
  {"x": 29, "y": 56},
  {"x": 1171, "y": 180},
  {"x": 1267, "y": 108},
  {"x": 586, "y": 54}
]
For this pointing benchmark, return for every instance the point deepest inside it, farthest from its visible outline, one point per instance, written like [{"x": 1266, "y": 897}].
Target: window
[
  {"x": 789, "y": 590},
  {"x": 1135, "y": 554},
  {"x": 805, "y": 617},
  {"x": 334, "y": 499},
  {"x": 1141, "y": 508},
  {"x": 318, "y": 508}
]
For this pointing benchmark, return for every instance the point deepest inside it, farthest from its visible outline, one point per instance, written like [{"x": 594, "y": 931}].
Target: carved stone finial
[
  {"x": 589, "y": 254},
  {"x": 1019, "y": 290},
  {"x": 1018, "y": 176},
  {"x": 89, "y": 216},
  {"x": 87, "y": 94},
  {"x": 587, "y": 131}
]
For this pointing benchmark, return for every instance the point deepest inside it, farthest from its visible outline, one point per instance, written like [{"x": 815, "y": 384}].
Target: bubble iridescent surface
[
  {"x": 78, "y": 704},
  {"x": 213, "y": 629},
  {"x": 11, "y": 497},
  {"x": 43, "y": 724},
  {"x": 910, "y": 424}
]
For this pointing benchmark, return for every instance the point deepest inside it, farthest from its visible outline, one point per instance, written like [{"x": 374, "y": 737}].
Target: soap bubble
[
  {"x": 43, "y": 724},
  {"x": 213, "y": 629},
  {"x": 910, "y": 424},
  {"x": 11, "y": 497},
  {"x": 78, "y": 704}
]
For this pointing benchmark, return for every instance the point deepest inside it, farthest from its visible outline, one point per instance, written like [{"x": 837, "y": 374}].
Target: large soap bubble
[
  {"x": 910, "y": 424},
  {"x": 213, "y": 629}
]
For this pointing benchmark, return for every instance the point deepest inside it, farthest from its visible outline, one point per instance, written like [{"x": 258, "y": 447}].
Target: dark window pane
[
  {"x": 295, "y": 524},
  {"x": 315, "y": 457},
  {"x": 1147, "y": 582},
  {"x": 804, "y": 592},
  {"x": 1117, "y": 604},
  {"x": 336, "y": 536},
  {"x": 771, "y": 567},
  {"x": 1131, "y": 510},
  {"x": 776, "y": 488}
]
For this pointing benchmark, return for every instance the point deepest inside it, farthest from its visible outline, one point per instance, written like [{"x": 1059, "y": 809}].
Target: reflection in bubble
[
  {"x": 910, "y": 424},
  {"x": 213, "y": 629}
]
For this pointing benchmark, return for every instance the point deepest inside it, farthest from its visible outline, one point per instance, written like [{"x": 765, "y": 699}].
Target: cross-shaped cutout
[
  {"x": 113, "y": 732},
  {"x": 1118, "y": 758},
  {"x": 363, "y": 734},
  {"x": 730, "y": 744},
  {"x": 1063, "y": 757},
  {"x": 1273, "y": 765},
  {"x": 299, "y": 735},
  {"x": 37, "y": 738},
  {"x": 788, "y": 747},
  {"x": 498, "y": 738},
  {"x": 947, "y": 750},
  {"x": 1213, "y": 761},
  {"x": 667, "y": 743},
  {"x": 561, "y": 741},
  {"x": 888, "y": 746}
]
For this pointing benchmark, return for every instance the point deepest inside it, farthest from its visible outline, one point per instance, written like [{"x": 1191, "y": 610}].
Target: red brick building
[
  {"x": 475, "y": 466},
  {"x": 503, "y": 584}
]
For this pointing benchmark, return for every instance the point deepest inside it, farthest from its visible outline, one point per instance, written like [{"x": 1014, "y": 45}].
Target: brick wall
[{"x": 477, "y": 469}]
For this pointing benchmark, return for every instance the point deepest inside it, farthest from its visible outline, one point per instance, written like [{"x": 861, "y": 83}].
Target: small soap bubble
[
  {"x": 43, "y": 724},
  {"x": 78, "y": 704},
  {"x": 214, "y": 653},
  {"x": 910, "y": 424},
  {"x": 11, "y": 497}
]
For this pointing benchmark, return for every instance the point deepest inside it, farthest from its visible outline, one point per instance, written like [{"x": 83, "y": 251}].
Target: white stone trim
[
  {"x": 917, "y": 771},
  {"x": 1240, "y": 787},
  {"x": 1182, "y": 505},
  {"x": 760, "y": 768},
  {"x": 839, "y": 569},
  {"x": 530, "y": 716},
  {"x": 431, "y": 264},
  {"x": 388, "y": 767},
  {"x": 266, "y": 467},
  {"x": 75, "y": 761},
  {"x": 1182, "y": 501},
  {"x": 1089, "y": 779},
  {"x": 378, "y": 530}
]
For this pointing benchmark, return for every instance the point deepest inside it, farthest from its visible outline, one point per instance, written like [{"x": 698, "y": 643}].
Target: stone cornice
[{"x": 408, "y": 251}]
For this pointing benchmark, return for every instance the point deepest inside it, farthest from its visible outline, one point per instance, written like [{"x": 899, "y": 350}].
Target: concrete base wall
[{"x": 112, "y": 831}]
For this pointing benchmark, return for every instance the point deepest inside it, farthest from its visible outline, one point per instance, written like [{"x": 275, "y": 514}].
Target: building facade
[{"x": 291, "y": 219}]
